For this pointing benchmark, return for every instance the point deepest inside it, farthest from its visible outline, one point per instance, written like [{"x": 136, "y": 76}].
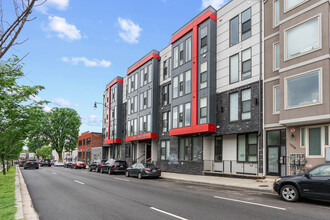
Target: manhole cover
[{"x": 263, "y": 185}]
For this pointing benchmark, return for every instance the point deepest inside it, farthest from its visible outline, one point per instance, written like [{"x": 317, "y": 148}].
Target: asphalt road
[{"x": 60, "y": 193}]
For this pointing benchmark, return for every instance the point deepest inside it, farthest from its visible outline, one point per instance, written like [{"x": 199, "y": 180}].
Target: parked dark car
[
  {"x": 142, "y": 170},
  {"x": 46, "y": 162},
  {"x": 314, "y": 184},
  {"x": 114, "y": 166},
  {"x": 78, "y": 165},
  {"x": 68, "y": 164},
  {"x": 31, "y": 164},
  {"x": 96, "y": 165}
]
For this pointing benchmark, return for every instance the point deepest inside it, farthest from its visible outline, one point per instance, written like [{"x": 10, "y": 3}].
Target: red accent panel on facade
[
  {"x": 133, "y": 68},
  {"x": 114, "y": 82},
  {"x": 194, "y": 110},
  {"x": 117, "y": 141},
  {"x": 202, "y": 128},
  {"x": 199, "y": 20},
  {"x": 142, "y": 137}
]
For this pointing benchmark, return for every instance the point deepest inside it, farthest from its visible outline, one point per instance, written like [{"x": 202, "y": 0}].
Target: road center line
[
  {"x": 251, "y": 203},
  {"x": 54, "y": 173},
  {"x": 79, "y": 182},
  {"x": 167, "y": 213},
  {"x": 121, "y": 179}
]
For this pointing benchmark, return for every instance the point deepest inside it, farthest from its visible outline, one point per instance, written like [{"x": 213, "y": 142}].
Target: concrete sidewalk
[{"x": 252, "y": 184}]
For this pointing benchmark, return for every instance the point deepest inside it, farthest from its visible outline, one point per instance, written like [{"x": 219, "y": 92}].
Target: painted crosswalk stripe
[
  {"x": 121, "y": 179},
  {"x": 167, "y": 213},
  {"x": 54, "y": 173},
  {"x": 79, "y": 182},
  {"x": 251, "y": 203}
]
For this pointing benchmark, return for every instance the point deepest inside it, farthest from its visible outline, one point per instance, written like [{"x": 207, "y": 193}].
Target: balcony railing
[{"x": 231, "y": 167}]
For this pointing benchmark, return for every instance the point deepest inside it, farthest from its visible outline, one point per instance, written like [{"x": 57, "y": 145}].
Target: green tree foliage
[
  {"x": 44, "y": 152},
  {"x": 62, "y": 129},
  {"x": 18, "y": 113}
]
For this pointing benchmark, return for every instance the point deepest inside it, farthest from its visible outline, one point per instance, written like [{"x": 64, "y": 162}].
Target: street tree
[
  {"x": 44, "y": 152},
  {"x": 62, "y": 129}
]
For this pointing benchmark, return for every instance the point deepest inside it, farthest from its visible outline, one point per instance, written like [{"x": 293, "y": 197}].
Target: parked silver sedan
[{"x": 142, "y": 170}]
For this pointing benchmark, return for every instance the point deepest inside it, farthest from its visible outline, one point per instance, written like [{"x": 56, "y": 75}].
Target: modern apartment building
[{"x": 297, "y": 108}]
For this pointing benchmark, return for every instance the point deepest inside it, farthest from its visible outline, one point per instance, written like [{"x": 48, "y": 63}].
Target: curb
[
  {"x": 18, "y": 197},
  {"x": 29, "y": 212}
]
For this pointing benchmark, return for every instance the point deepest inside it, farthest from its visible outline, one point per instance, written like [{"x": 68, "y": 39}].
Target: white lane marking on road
[
  {"x": 167, "y": 213},
  {"x": 54, "y": 173},
  {"x": 251, "y": 203},
  {"x": 79, "y": 182},
  {"x": 121, "y": 179}
]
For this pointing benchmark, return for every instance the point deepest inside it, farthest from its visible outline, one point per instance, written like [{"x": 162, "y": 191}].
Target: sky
[{"x": 75, "y": 48}]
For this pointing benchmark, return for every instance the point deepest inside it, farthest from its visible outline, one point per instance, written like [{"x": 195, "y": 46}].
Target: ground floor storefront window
[{"x": 247, "y": 147}]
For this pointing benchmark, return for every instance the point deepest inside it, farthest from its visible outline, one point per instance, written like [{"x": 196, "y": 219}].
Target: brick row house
[
  {"x": 198, "y": 105},
  {"x": 89, "y": 147}
]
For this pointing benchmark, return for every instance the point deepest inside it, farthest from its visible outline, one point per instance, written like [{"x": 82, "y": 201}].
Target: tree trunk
[
  {"x": 8, "y": 166},
  {"x": 59, "y": 156},
  {"x": 4, "y": 167}
]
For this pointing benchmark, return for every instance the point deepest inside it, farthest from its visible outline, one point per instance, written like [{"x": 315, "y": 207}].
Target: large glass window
[
  {"x": 188, "y": 82},
  {"x": 165, "y": 150},
  {"x": 314, "y": 141},
  {"x": 203, "y": 110},
  {"x": 181, "y": 53},
  {"x": 246, "y": 64},
  {"x": 175, "y": 86},
  {"x": 194, "y": 149},
  {"x": 165, "y": 69},
  {"x": 233, "y": 68},
  {"x": 246, "y": 104},
  {"x": 292, "y": 3},
  {"x": 276, "y": 12},
  {"x": 234, "y": 37},
  {"x": 218, "y": 149},
  {"x": 296, "y": 44},
  {"x": 180, "y": 116},
  {"x": 175, "y": 117},
  {"x": 188, "y": 49},
  {"x": 149, "y": 74},
  {"x": 241, "y": 148},
  {"x": 204, "y": 40},
  {"x": 149, "y": 98},
  {"x": 303, "y": 89},
  {"x": 276, "y": 96},
  {"x": 234, "y": 106},
  {"x": 165, "y": 121},
  {"x": 165, "y": 95},
  {"x": 175, "y": 57},
  {"x": 187, "y": 117},
  {"x": 203, "y": 78},
  {"x": 276, "y": 55},
  {"x": 183, "y": 149},
  {"x": 247, "y": 148},
  {"x": 246, "y": 24},
  {"x": 181, "y": 84}
]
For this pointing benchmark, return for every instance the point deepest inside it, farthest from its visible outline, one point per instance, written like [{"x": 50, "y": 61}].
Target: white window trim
[
  {"x": 319, "y": 70},
  {"x": 322, "y": 142},
  {"x": 319, "y": 16},
  {"x": 302, "y": 146},
  {"x": 295, "y": 6},
  {"x": 274, "y": 100},
  {"x": 274, "y": 14},
  {"x": 274, "y": 56}
]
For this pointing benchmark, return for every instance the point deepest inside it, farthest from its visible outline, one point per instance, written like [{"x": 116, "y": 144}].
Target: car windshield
[
  {"x": 148, "y": 165},
  {"x": 120, "y": 163}
]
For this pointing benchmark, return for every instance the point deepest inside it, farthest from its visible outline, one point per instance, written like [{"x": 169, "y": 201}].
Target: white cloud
[
  {"x": 35, "y": 98},
  {"x": 130, "y": 32},
  {"x": 214, "y": 3},
  {"x": 46, "y": 109},
  {"x": 87, "y": 62},
  {"x": 63, "y": 29},
  {"x": 91, "y": 120},
  {"x": 64, "y": 103},
  {"x": 57, "y": 4}
]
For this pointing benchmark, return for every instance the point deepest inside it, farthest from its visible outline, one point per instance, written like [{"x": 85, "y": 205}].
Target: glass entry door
[
  {"x": 273, "y": 165},
  {"x": 276, "y": 152}
]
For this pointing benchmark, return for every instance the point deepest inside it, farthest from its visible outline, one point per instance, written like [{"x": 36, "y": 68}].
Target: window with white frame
[
  {"x": 181, "y": 53},
  {"x": 165, "y": 150},
  {"x": 188, "y": 82},
  {"x": 314, "y": 143},
  {"x": 233, "y": 69},
  {"x": 246, "y": 24},
  {"x": 276, "y": 56},
  {"x": 289, "y": 4},
  {"x": 233, "y": 106},
  {"x": 296, "y": 44},
  {"x": 187, "y": 114},
  {"x": 314, "y": 139},
  {"x": 166, "y": 121},
  {"x": 182, "y": 84},
  {"x": 203, "y": 110},
  {"x": 176, "y": 57},
  {"x": 247, "y": 148},
  {"x": 246, "y": 104},
  {"x": 175, "y": 86},
  {"x": 276, "y": 12},
  {"x": 204, "y": 40},
  {"x": 234, "y": 32},
  {"x": 304, "y": 89},
  {"x": 246, "y": 64},
  {"x": 203, "y": 78},
  {"x": 276, "y": 99},
  {"x": 175, "y": 117},
  {"x": 181, "y": 115},
  {"x": 188, "y": 49}
]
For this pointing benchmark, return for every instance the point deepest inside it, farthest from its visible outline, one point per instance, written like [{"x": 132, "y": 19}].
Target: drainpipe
[{"x": 260, "y": 79}]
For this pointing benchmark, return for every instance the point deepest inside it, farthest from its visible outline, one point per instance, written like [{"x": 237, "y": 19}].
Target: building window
[
  {"x": 276, "y": 99},
  {"x": 187, "y": 117},
  {"x": 84, "y": 142},
  {"x": 233, "y": 60},
  {"x": 246, "y": 64},
  {"x": 165, "y": 121},
  {"x": 303, "y": 90},
  {"x": 234, "y": 36},
  {"x": 80, "y": 143},
  {"x": 165, "y": 150},
  {"x": 183, "y": 149},
  {"x": 175, "y": 117},
  {"x": 204, "y": 40},
  {"x": 293, "y": 3},
  {"x": 194, "y": 155},
  {"x": 218, "y": 149},
  {"x": 276, "y": 12},
  {"x": 203, "y": 110},
  {"x": 247, "y": 148},
  {"x": 203, "y": 77},
  {"x": 246, "y": 104},
  {"x": 88, "y": 141},
  {"x": 314, "y": 148},
  {"x": 149, "y": 98},
  {"x": 326, "y": 135},
  {"x": 165, "y": 95},
  {"x": 246, "y": 24},
  {"x": 188, "y": 82},
  {"x": 149, "y": 74},
  {"x": 165, "y": 69},
  {"x": 302, "y": 135},
  {"x": 188, "y": 49},
  {"x": 176, "y": 57},
  {"x": 181, "y": 53},
  {"x": 180, "y": 116},
  {"x": 297, "y": 45},
  {"x": 181, "y": 84},
  {"x": 175, "y": 87},
  {"x": 233, "y": 106},
  {"x": 276, "y": 56}
]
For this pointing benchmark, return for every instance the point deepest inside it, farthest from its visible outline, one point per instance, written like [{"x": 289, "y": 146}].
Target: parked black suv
[
  {"x": 114, "y": 166},
  {"x": 31, "y": 164},
  {"x": 314, "y": 184},
  {"x": 46, "y": 162},
  {"x": 96, "y": 165}
]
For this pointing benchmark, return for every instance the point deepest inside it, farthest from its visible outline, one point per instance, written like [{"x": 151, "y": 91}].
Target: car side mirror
[{"x": 308, "y": 176}]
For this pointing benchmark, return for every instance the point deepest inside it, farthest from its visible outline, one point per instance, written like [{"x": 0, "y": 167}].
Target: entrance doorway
[
  {"x": 276, "y": 152},
  {"x": 148, "y": 153}
]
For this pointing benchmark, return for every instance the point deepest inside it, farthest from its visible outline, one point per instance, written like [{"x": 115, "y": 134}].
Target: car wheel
[
  {"x": 127, "y": 174},
  {"x": 25, "y": 168},
  {"x": 289, "y": 193},
  {"x": 139, "y": 175},
  {"x": 109, "y": 171},
  {"x": 37, "y": 168}
]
